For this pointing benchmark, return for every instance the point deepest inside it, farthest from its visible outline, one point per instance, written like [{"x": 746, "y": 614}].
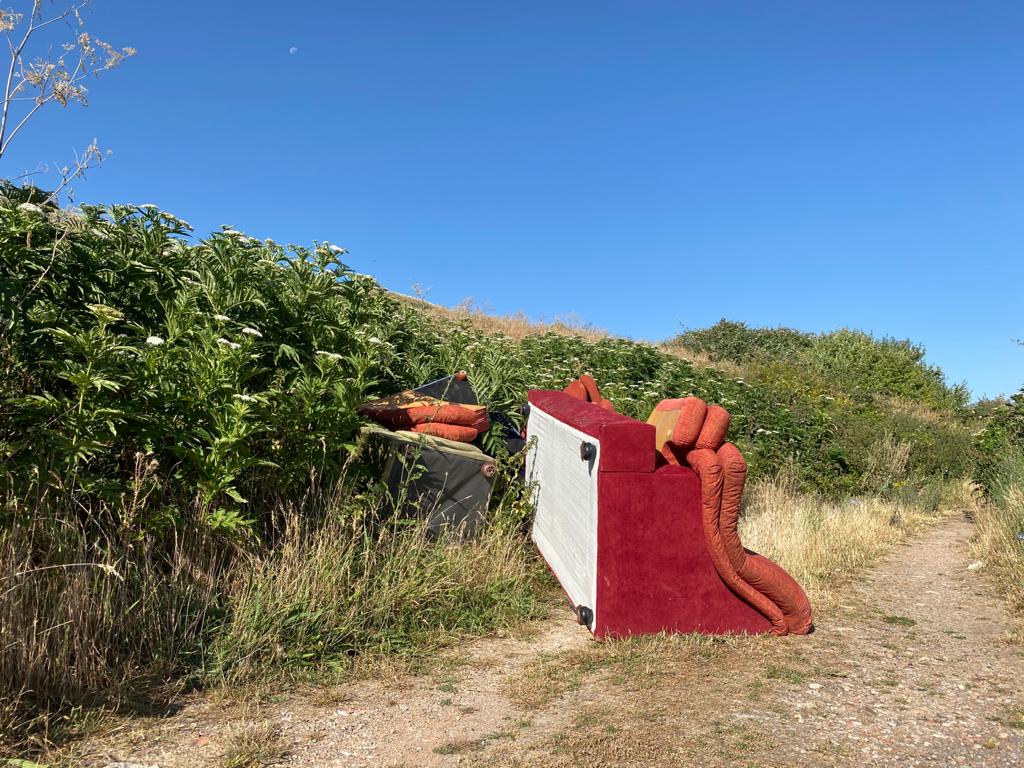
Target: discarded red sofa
[{"x": 637, "y": 521}]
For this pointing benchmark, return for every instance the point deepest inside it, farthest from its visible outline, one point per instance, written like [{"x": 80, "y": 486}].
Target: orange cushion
[
  {"x": 407, "y": 409},
  {"x": 585, "y": 388},
  {"x": 716, "y": 427},
  {"x": 705, "y": 463},
  {"x": 678, "y": 421},
  {"x": 447, "y": 431}
]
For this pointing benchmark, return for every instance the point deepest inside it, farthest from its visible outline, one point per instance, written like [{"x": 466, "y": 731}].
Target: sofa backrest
[{"x": 626, "y": 445}]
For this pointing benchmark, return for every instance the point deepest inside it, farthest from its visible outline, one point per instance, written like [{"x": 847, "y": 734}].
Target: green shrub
[
  {"x": 1001, "y": 439},
  {"x": 863, "y": 365},
  {"x": 234, "y": 365},
  {"x": 739, "y": 343},
  {"x": 849, "y": 362}
]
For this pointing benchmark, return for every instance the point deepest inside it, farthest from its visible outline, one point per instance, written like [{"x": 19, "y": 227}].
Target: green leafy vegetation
[
  {"x": 870, "y": 392},
  {"x": 847, "y": 361}
]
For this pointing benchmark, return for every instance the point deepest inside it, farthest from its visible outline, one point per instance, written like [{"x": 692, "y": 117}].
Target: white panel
[{"x": 565, "y": 523}]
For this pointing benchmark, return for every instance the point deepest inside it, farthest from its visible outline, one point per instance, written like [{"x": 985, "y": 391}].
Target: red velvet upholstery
[
  {"x": 649, "y": 580},
  {"x": 668, "y": 554},
  {"x": 625, "y": 442},
  {"x": 654, "y": 569}
]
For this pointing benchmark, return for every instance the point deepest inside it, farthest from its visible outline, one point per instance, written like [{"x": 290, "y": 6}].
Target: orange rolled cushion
[
  {"x": 716, "y": 426},
  {"x": 447, "y": 431},
  {"x": 759, "y": 572},
  {"x": 708, "y": 468},
  {"x": 585, "y": 388},
  {"x": 407, "y": 409}
]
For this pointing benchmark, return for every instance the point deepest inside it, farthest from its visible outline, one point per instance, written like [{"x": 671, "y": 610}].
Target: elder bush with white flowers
[{"x": 233, "y": 364}]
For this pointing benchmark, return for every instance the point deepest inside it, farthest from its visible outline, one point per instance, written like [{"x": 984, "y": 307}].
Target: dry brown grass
[
  {"x": 822, "y": 542},
  {"x": 91, "y": 620},
  {"x": 344, "y": 585},
  {"x": 518, "y": 326},
  {"x": 701, "y": 360},
  {"x": 89, "y": 625},
  {"x": 998, "y": 524},
  {"x": 252, "y": 745},
  {"x": 919, "y": 411}
]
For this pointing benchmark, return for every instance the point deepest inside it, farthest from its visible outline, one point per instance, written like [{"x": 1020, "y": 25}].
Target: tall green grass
[{"x": 125, "y": 620}]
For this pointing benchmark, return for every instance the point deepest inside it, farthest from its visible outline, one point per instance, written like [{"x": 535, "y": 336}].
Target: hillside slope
[{"x": 183, "y": 499}]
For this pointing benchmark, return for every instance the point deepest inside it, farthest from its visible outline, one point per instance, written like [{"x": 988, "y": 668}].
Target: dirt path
[{"x": 910, "y": 668}]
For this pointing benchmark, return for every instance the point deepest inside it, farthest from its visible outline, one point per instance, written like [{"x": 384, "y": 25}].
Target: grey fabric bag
[{"x": 445, "y": 482}]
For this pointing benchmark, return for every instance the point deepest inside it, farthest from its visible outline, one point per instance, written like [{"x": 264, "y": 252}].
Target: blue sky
[{"x": 643, "y": 165}]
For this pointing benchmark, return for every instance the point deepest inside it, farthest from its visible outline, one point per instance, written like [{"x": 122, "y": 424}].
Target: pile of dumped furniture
[
  {"x": 637, "y": 521},
  {"x": 427, "y": 451}
]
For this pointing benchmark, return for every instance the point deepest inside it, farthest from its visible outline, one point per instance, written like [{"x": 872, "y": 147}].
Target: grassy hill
[{"x": 182, "y": 497}]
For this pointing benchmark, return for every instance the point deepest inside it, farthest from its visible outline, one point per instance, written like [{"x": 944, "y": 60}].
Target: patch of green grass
[
  {"x": 460, "y": 747},
  {"x": 899, "y": 621},
  {"x": 775, "y": 672},
  {"x": 465, "y": 746},
  {"x": 587, "y": 719}
]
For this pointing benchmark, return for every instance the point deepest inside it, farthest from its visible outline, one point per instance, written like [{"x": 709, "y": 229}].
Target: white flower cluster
[
  {"x": 240, "y": 236},
  {"x": 328, "y": 355},
  {"x": 154, "y": 341},
  {"x": 245, "y": 398},
  {"x": 226, "y": 343},
  {"x": 252, "y": 332},
  {"x": 30, "y": 208}
]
